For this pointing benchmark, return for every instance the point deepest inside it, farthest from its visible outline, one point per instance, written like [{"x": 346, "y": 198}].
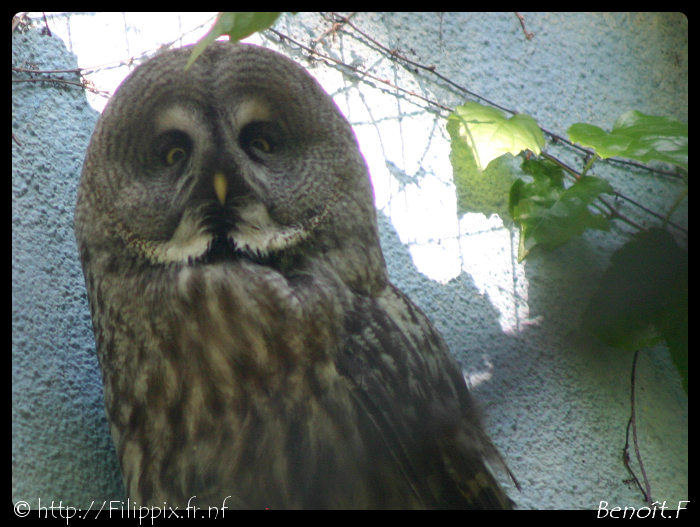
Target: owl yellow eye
[
  {"x": 261, "y": 144},
  {"x": 261, "y": 137},
  {"x": 174, "y": 155}
]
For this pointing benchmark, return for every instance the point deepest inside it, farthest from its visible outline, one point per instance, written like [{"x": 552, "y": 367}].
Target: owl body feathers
[{"x": 253, "y": 352}]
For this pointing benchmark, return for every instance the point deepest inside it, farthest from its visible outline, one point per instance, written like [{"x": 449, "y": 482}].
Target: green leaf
[
  {"x": 489, "y": 134},
  {"x": 237, "y": 26},
  {"x": 637, "y": 136},
  {"x": 550, "y": 214},
  {"x": 478, "y": 190},
  {"x": 643, "y": 298}
]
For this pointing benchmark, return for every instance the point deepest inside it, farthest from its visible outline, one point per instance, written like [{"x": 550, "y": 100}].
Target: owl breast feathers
[{"x": 253, "y": 351}]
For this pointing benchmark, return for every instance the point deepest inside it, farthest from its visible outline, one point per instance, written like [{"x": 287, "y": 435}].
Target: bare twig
[
  {"x": 335, "y": 26},
  {"x": 433, "y": 70},
  {"x": 62, "y": 81},
  {"x": 25, "y": 70},
  {"x": 528, "y": 35},
  {"x": 646, "y": 491},
  {"x": 358, "y": 71},
  {"x": 17, "y": 20},
  {"x": 48, "y": 31},
  {"x": 345, "y": 21}
]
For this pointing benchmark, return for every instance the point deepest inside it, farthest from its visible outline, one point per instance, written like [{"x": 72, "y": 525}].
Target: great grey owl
[{"x": 253, "y": 351}]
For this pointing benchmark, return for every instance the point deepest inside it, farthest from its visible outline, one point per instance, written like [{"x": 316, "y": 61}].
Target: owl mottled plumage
[{"x": 250, "y": 342}]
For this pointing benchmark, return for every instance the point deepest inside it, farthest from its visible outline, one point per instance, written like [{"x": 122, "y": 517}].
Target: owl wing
[{"x": 414, "y": 403}]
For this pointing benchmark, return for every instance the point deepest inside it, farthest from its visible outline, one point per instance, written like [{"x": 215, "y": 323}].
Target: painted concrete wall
[{"x": 555, "y": 401}]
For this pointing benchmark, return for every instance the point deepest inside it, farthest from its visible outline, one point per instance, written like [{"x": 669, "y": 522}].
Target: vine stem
[
  {"x": 678, "y": 201},
  {"x": 611, "y": 210},
  {"x": 646, "y": 491},
  {"x": 589, "y": 164}
]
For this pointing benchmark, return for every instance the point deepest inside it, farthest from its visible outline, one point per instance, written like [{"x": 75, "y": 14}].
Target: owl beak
[{"x": 220, "y": 186}]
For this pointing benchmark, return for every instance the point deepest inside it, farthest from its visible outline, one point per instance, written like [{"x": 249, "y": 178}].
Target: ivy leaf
[
  {"x": 550, "y": 214},
  {"x": 489, "y": 134},
  {"x": 237, "y": 26},
  {"x": 643, "y": 298},
  {"x": 637, "y": 136},
  {"x": 478, "y": 190}
]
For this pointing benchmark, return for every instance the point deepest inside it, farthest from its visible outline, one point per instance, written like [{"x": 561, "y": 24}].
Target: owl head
[{"x": 243, "y": 155}]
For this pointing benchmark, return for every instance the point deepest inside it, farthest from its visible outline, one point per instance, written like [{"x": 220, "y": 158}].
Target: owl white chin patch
[
  {"x": 256, "y": 242},
  {"x": 172, "y": 251},
  {"x": 255, "y": 234},
  {"x": 191, "y": 249},
  {"x": 189, "y": 242},
  {"x": 259, "y": 235}
]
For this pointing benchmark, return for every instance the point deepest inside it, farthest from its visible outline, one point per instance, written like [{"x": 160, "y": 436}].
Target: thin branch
[
  {"x": 345, "y": 20},
  {"x": 70, "y": 83},
  {"x": 613, "y": 212},
  {"x": 24, "y": 70},
  {"x": 335, "y": 26},
  {"x": 18, "y": 19},
  {"x": 433, "y": 70},
  {"x": 48, "y": 31},
  {"x": 358, "y": 71},
  {"x": 646, "y": 491},
  {"x": 651, "y": 212},
  {"x": 528, "y": 35},
  {"x": 61, "y": 81}
]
